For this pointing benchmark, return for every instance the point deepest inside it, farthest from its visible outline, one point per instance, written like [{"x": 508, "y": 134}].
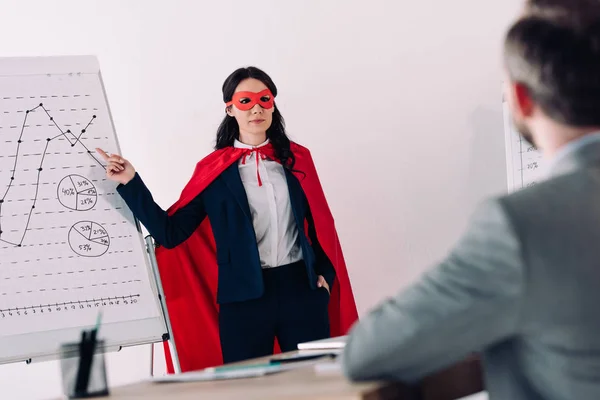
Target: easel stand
[{"x": 150, "y": 247}]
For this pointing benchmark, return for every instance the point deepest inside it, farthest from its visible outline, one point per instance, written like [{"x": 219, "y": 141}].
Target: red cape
[{"x": 189, "y": 271}]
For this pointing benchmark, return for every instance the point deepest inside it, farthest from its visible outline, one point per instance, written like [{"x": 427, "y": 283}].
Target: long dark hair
[{"x": 229, "y": 129}]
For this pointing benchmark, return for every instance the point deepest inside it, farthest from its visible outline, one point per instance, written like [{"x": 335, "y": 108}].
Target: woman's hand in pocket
[{"x": 321, "y": 282}]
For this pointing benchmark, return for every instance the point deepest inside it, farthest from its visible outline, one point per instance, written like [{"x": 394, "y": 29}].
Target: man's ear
[{"x": 523, "y": 102}]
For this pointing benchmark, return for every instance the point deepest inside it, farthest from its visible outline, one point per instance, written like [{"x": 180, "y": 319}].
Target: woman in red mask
[{"x": 248, "y": 256}]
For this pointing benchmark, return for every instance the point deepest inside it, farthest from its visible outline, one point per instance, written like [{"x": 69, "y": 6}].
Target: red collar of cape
[{"x": 189, "y": 271}]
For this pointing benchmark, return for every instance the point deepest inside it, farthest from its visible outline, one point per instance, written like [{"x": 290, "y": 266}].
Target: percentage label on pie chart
[
  {"x": 89, "y": 239},
  {"x": 77, "y": 193}
]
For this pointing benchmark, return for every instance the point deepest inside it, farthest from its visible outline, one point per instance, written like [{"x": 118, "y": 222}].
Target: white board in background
[
  {"x": 524, "y": 164},
  {"x": 69, "y": 245}
]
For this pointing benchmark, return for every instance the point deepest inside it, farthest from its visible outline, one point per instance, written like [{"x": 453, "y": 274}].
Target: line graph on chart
[
  {"x": 20, "y": 153},
  {"x": 67, "y": 245}
]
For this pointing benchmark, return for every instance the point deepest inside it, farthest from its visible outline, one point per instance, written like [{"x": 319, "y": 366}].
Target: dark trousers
[{"x": 289, "y": 310}]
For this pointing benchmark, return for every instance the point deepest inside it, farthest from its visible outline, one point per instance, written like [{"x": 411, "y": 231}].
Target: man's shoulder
[
  {"x": 545, "y": 196},
  {"x": 550, "y": 200},
  {"x": 556, "y": 189}
]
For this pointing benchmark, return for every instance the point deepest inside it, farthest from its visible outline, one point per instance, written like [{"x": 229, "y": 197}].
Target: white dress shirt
[{"x": 272, "y": 217}]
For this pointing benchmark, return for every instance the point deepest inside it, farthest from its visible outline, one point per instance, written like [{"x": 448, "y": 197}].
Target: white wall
[{"x": 398, "y": 100}]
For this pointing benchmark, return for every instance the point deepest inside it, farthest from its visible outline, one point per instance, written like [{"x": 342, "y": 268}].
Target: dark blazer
[{"x": 225, "y": 203}]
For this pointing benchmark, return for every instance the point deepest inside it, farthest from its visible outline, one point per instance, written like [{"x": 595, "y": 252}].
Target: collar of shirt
[
  {"x": 241, "y": 145},
  {"x": 570, "y": 148}
]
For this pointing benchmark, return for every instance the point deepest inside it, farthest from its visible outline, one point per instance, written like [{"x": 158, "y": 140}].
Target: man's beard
[{"x": 524, "y": 132}]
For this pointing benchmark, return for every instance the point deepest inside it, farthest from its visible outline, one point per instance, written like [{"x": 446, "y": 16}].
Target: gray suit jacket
[{"x": 522, "y": 287}]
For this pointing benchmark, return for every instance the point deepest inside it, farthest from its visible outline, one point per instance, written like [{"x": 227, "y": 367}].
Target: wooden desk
[
  {"x": 459, "y": 380},
  {"x": 302, "y": 383},
  {"x": 455, "y": 382},
  {"x": 298, "y": 384}
]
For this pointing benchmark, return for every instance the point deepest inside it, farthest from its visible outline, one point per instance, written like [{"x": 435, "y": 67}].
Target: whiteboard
[
  {"x": 69, "y": 246},
  {"x": 524, "y": 164}
]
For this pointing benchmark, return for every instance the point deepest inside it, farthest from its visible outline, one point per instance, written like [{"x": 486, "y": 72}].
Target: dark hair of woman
[{"x": 228, "y": 130}]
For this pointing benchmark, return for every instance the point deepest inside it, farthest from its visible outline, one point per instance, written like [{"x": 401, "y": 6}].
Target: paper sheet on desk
[
  {"x": 208, "y": 375},
  {"x": 233, "y": 372},
  {"x": 324, "y": 352}
]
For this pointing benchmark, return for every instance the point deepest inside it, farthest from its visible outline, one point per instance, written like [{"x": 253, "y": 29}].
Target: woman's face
[{"x": 253, "y": 119}]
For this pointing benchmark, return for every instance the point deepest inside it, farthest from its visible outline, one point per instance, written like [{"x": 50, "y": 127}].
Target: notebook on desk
[{"x": 333, "y": 343}]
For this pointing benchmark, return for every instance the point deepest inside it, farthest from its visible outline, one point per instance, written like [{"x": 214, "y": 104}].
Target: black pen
[
  {"x": 80, "y": 383},
  {"x": 89, "y": 358},
  {"x": 87, "y": 349}
]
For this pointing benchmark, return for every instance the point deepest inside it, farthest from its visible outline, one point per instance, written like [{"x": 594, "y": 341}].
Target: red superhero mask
[{"x": 246, "y": 100}]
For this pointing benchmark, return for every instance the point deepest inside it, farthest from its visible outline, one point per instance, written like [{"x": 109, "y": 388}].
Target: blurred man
[{"x": 522, "y": 286}]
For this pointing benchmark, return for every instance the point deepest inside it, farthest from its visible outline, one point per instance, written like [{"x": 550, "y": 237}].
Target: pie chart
[
  {"x": 88, "y": 239},
  {"x": 76, "y": 192}
]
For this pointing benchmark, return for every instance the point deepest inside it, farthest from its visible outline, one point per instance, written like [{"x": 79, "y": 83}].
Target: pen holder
[{"x": 71, "y": 363}]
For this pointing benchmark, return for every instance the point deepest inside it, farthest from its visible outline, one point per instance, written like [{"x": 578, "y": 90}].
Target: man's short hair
[{"x": 554, "y": 51}]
